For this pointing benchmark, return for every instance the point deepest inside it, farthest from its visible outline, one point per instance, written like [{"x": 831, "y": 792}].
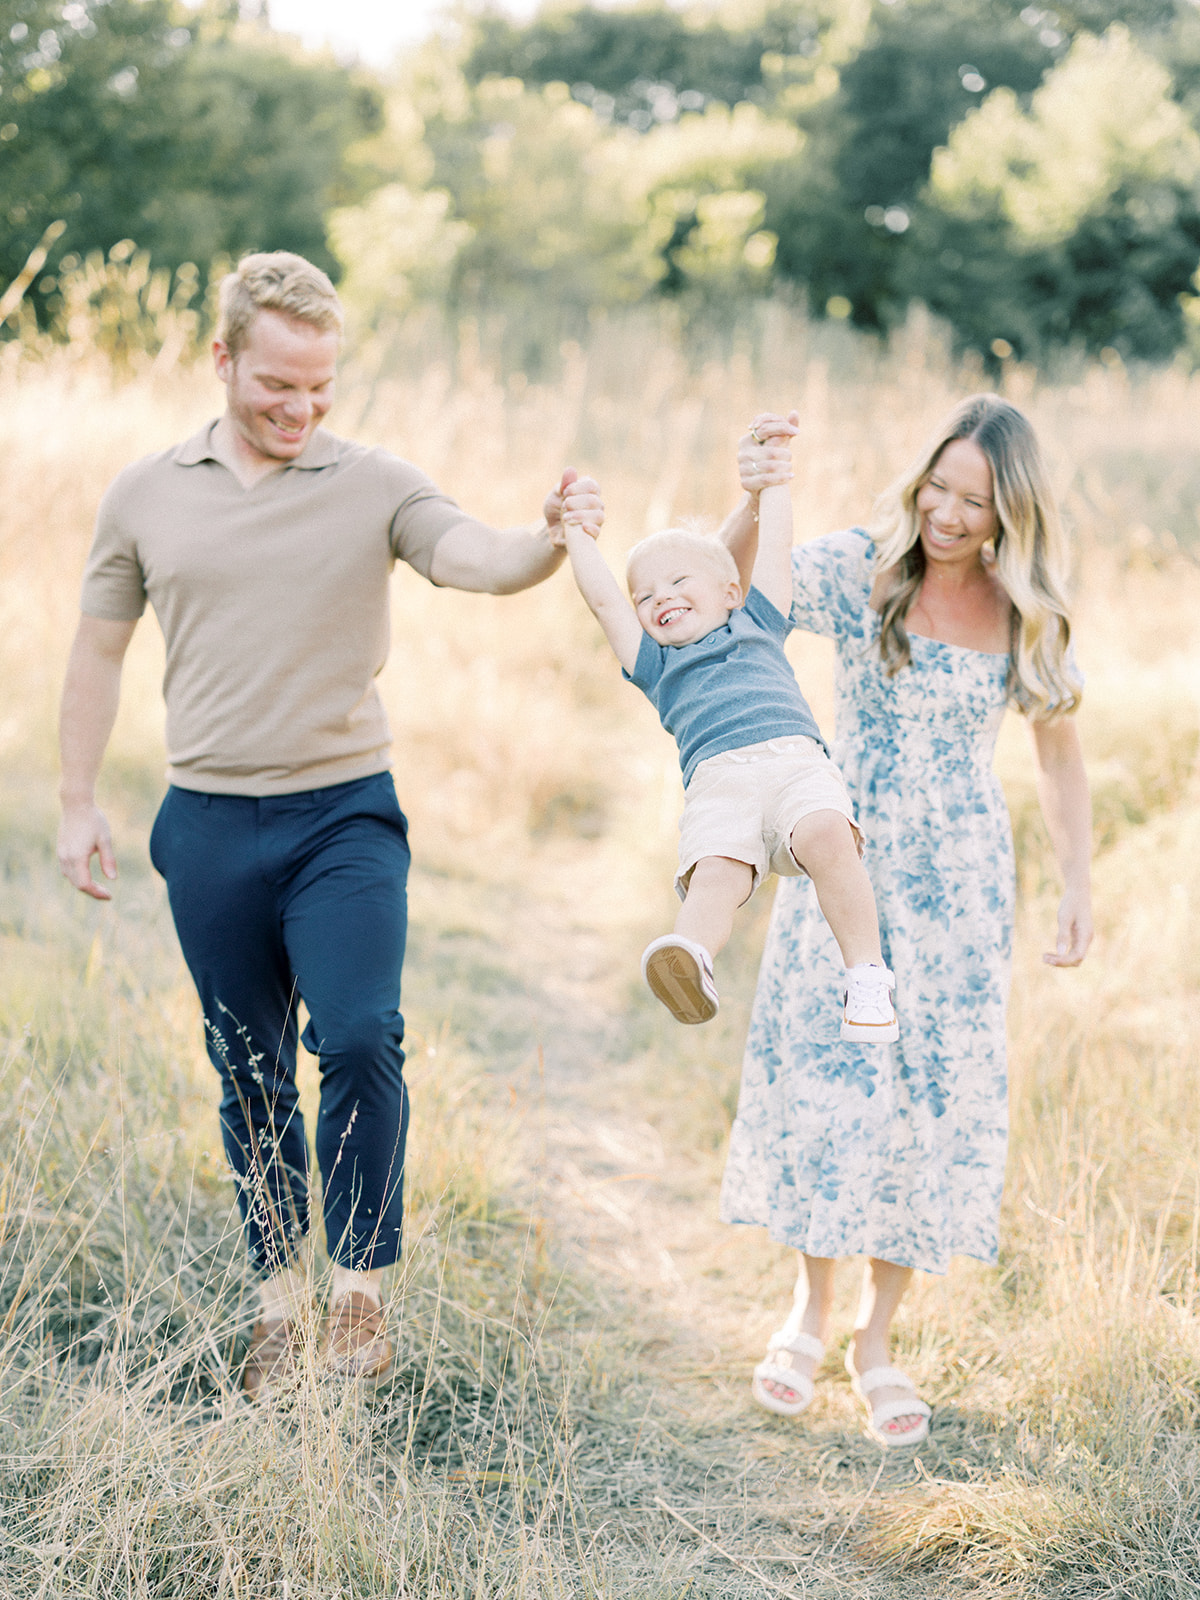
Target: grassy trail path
[{"x": 623, "y": 1118}]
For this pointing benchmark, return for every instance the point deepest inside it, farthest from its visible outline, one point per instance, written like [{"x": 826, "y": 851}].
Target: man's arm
[
  {"x": 603, "y": 594},
  {"x": 473, "y": 556},
  {"x": 90, "y": 696}
]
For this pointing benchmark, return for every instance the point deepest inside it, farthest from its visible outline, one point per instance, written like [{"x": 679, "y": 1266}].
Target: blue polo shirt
[{"x": 732, "y": 688}]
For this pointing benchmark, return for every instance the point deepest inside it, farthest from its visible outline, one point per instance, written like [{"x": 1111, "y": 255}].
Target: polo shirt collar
[{"x": 320, "y": 451}]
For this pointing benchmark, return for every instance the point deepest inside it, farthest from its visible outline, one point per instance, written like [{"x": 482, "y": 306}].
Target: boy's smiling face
[{"x": 679, "y": 597}]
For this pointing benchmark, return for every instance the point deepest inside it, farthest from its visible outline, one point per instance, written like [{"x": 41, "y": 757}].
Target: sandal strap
[
  {"x": 800, "y": 1344},
  {"x": 891, "y": 1409},
  {"x": 788, "y": 1377},
  {"x": 883, "y": 1378}
]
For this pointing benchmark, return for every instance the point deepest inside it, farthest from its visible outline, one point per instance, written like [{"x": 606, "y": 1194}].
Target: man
[{"x": 264, "y": 545}]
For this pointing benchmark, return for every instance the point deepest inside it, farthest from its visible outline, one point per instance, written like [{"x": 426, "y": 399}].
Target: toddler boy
[{"x": 761, "y": 793}]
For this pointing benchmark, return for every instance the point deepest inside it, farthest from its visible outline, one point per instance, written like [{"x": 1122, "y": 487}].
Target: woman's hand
[
  {"x": 765, "y": 451},
  {"x": 1074, "y": 930}
]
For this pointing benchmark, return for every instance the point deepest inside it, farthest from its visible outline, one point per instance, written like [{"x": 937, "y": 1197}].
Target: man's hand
[
  {"x": 576, "y": 500},
  {"x": 82, "y": 834}
]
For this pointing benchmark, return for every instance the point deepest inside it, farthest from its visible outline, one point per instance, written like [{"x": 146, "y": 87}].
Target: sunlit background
[{"x": 371, "y": 30}]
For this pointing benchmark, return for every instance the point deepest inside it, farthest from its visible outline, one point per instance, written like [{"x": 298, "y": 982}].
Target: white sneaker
[
  {"x": 680, "y": 974},
  {"x": 868, "y": 1014}
]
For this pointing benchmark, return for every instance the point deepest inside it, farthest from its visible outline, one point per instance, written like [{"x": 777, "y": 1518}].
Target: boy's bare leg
[
  {"x": 717, "y": 887},
  {"x": 823, "y": 844}
]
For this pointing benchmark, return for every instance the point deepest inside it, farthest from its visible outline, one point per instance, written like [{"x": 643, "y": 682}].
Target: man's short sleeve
[
  {"x": 423, "y": 514},
  {"x": 114, "y": 588}
]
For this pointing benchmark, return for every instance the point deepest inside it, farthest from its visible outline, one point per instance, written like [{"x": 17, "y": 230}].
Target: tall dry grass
[{"x": 566, "y": 1423}]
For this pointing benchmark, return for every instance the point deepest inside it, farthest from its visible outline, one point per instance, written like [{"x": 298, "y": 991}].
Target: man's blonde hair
[
  {"x": 275, "y": 280},
  {"x": 685, "y": 542}
]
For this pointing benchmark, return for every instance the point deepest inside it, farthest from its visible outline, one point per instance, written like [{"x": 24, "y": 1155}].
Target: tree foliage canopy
[
  {"x": 184, "y": 131},
  {"x": 1031, "y": 171}
]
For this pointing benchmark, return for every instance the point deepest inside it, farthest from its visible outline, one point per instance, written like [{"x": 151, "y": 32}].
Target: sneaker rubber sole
[
  {"x": 678, "y": 979},
  {"x": 871, "y": 1032}
]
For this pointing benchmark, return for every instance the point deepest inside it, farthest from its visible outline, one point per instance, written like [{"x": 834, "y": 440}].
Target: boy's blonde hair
[
  {"x": 275, "y": 280},
  {"x": 686, "y": 542}
]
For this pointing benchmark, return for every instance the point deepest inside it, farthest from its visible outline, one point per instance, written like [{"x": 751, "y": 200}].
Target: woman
[{"x": 950, "y": 610}]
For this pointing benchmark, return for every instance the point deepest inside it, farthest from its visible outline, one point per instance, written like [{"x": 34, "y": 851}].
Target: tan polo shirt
[{"x": 273, "y": 602}]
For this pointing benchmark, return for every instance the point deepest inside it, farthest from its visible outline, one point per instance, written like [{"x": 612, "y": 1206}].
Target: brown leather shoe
[
  {"x": 357, "y": 1345},
  {"x": 271, "y": 1359}
]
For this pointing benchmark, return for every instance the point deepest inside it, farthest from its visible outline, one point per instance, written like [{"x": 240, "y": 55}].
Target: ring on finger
[{"x": 756, "y": 436}]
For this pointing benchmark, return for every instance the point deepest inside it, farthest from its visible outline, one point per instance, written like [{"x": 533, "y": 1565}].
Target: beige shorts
[{"x": 744, "y": 804}]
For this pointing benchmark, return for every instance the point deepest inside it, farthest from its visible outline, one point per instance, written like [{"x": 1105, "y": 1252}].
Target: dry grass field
[{"x": 570, "y": 1414}]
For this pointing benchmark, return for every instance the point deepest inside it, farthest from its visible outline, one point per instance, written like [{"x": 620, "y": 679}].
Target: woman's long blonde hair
[{"x": 1031, "y": 555}]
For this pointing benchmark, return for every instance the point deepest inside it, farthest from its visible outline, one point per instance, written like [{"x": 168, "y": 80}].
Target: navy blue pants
[{"x": 300, "y": 897}]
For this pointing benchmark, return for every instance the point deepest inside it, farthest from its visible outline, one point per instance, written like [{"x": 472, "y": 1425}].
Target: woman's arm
[
  {"x": 739, "y": 532},
  {"x": 1066, "y": 804}
]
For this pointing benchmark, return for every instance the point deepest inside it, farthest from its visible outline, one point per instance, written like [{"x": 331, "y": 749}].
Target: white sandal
[
  {"x": 864, "y": 1386},
  {"x": 769, "y": 1371}
]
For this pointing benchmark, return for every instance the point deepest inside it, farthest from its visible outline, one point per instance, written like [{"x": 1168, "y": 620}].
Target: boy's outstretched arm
[
  {"x": 773, "y": 562},
  {"x": 764, "y": 458},
  {"x": 772, "y": 574},
  {"x": 603, "y": 594}
]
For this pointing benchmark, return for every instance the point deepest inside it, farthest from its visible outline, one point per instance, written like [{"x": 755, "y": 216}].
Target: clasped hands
[
  {"x": 576, "y": 501},
  {"x": 765, "y": 450}
]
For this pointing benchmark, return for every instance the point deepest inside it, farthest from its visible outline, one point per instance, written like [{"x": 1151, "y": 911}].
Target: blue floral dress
[{"x": 893, "y": 1151}]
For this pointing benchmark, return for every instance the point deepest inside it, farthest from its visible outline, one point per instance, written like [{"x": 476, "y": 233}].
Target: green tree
[
  {"x": 645, "y": 65},
  {"x": 521, "y": 201},
  {"x": 841, "y": 214},
  {"x": 141, "y": 119},
  {"x": 1074, "y": 220}
]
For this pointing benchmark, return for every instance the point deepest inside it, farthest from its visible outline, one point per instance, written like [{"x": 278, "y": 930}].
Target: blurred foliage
[
  {"x": 841, "y": 216},
  {"x": 1080, "y": 214},
  {"x": 861, "y": 153},
  {"x": 1029, "y": 172},
  {"x": 519, "y": 200},
  {"x": 181, "y": 129},
  {"x": 645, "y": 65}
]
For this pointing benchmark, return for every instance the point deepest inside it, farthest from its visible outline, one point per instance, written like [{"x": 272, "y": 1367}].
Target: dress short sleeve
[{"x": 831, "y": 582}]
